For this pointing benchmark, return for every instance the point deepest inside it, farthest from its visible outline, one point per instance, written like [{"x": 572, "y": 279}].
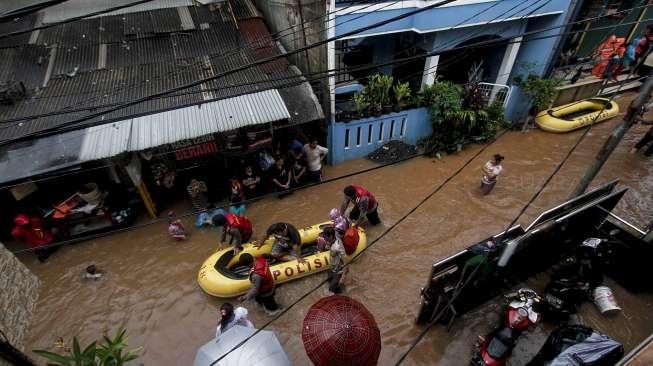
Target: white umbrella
[{"x": 263, "y": 349}]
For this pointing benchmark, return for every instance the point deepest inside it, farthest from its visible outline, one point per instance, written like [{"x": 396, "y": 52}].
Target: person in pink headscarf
[{"x": 340, "y": 222}]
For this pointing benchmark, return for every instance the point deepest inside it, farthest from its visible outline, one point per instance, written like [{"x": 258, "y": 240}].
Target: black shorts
[{"x": 372, "y": 216}]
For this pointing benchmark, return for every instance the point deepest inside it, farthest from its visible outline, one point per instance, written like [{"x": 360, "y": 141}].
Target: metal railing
[{"x": 493, "y": 93}]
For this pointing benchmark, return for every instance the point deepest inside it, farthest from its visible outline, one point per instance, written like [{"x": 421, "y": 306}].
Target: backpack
[{"x": 350, "y": 240}]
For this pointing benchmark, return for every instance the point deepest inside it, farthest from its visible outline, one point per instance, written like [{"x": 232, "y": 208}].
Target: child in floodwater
[
  {"x": 175, "y": 227},
  {"x": 92, "y": 273},
  {"x": 491, "y": 171}
]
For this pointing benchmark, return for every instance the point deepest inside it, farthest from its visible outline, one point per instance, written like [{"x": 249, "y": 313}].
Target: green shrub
[{"x": 110, "y": 352}]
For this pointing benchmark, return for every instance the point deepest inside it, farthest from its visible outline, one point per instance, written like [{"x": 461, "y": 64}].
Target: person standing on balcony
[{"x": 314, "y": 155}]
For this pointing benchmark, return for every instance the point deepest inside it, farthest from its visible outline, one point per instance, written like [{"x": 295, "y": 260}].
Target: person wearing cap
[
  {"x": 286, "y": 237},
  {"x": 230, "y": 317},
  {"x": 491, "y": 171},
  {"x": 238, "y": 227},
  {"x": 365, "y": 205}
]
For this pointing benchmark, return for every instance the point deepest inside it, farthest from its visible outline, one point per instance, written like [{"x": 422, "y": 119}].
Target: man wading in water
[
  {"x": 365, "y": 205},
  {"x": 263, "y": 288},
  {"x": 491, "y": 171}
]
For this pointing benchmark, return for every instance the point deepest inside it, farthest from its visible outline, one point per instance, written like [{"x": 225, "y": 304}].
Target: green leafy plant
[
  {"x": 541, "y": 91},
  {"x": 402, "y": 94},
  {"x": 361, "y": 104},
  {"x": 378, "y": 90},
  {"x": 112, "y": 352},
  {"x": 459, "y": 116}
]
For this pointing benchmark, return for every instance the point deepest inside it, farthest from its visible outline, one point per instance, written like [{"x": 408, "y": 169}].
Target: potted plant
[
  {"x": 378, "y": 91},
  {"x": 402, "y": 93},
  {"x": 385, "y": 88},
  {"x": 361, "y": 104}
]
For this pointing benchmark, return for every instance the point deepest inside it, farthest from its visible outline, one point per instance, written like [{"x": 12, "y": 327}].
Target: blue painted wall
[
  {"x": 345, "y": 143},
  {"x": 534, "y": 55},
  {"x": 449, "y": 16}
]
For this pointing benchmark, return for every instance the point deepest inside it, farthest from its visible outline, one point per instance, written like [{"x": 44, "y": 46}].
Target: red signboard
[{"x": 196, "y": 151}]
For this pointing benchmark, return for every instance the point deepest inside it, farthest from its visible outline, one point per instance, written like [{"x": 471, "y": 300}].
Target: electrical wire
[
  {"x": 74, "y": 19},
  {"x": 369, "y": 245},
  {"x": 513, "y": 222},
  {"x": 268, "y": 81},
  {"x": 254, "y": 45},
  {"x": 437, "y": 189},
  {"x": 65, "y": 126},
  {"x": 111, "y": 126}
]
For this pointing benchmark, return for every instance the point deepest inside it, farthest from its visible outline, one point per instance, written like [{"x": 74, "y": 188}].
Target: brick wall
[{"x": 17, "y": 299}]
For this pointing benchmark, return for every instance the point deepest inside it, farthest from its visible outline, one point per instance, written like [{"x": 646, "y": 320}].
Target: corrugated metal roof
[
  {"x": 105, "y": 141},
  {"x": 75, "y": 8},
  {"x": 141, "y": 133},
  {"x": 217, "y": 116},
  {"x": 142, "y": 64},
  {"x": 244, "y": 9}
]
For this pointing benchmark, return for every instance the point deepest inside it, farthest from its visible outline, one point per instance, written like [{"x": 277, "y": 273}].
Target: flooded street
[{"x": 151, "y": 289}]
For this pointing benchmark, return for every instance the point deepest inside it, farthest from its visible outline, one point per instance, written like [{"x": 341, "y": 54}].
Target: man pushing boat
[{"x": 365, "y": 205}]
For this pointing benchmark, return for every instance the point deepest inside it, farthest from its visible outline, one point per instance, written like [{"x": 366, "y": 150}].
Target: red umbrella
[{"x": 340, "y": 331}]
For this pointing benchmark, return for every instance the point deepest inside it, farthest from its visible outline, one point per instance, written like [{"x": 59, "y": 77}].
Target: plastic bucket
[{"x": 605, "y": 301}]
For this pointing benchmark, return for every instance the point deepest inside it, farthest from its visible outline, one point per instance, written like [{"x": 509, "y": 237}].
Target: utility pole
[{"x": 617, "y": 134}]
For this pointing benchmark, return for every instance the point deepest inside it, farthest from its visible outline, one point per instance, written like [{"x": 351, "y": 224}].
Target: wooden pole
[
  {"x": 615, "y": 137},
  {"x": 147, "y": 199}
]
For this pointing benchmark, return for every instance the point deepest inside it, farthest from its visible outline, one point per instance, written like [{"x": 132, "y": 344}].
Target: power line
[
  {"x": 74, "y": 19},
  {"x": 63, "y": 126},
  {"x": 253, "y": 46},
  {"x": 350, "y": 70},
  {"x": 383, "y": 234},
  {"x": 521, "y": 212},
  {"x": 110, "y": 126},
  {"x": 8, "y": 16},
  {"x": 366, "y": 67},
  {"x": 437, "y": 189}
]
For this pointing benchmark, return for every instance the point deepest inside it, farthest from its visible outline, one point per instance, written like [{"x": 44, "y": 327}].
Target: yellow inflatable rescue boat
[
  {"x": 575, "y": 115},
  {"x": 221, "y": 276}
]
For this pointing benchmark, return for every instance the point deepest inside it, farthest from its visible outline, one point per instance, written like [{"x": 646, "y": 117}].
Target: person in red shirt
[
  {"x": 30, "y": 230},
  {"x": 263, "y": 289},
  {"x": 239, "y": 229},
  {"x": 365, "y": 205}
]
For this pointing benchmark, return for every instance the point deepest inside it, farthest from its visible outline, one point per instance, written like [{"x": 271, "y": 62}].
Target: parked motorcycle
[
  {"x": 572, "y": 282},
  {"x": 495, "y": 348}
]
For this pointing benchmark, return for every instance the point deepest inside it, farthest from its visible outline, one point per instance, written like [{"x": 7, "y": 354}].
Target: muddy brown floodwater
[{"x": 150, "y": 286}]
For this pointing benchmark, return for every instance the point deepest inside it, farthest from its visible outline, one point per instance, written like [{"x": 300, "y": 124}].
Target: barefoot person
[
  {"x": 238, "y": 227},
  {"x": 491, "y": 171},
  {"x": 263, "y": 289},
  {"x": 365, "y": 205}
]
